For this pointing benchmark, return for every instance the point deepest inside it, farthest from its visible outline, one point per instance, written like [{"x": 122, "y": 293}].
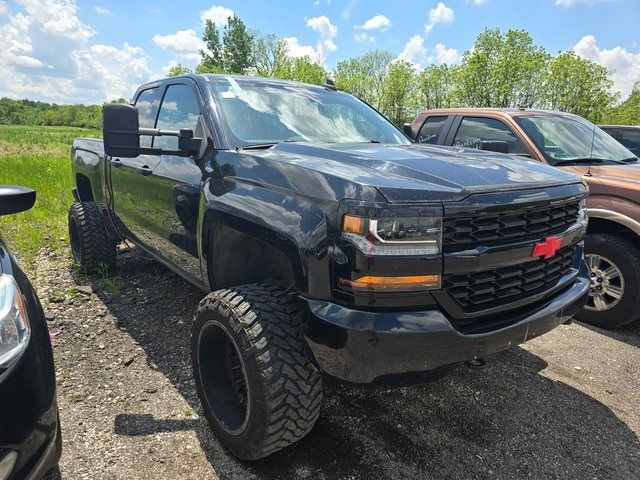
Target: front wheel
[
  {"x": 614, "y": 294},
  {"x": 257, "y": 387}
]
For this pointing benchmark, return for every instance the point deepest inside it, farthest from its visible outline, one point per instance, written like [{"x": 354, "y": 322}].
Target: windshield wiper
[
  {"x": 260, "y": 146},
  {"x": 582, "y": 160},
  {"x": 629, "y": 160}
]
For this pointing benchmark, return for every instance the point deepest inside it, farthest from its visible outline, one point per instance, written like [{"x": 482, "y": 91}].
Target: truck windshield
[
  {"x": 571, "y": 139},
  {"x": 259, "y": 112}
]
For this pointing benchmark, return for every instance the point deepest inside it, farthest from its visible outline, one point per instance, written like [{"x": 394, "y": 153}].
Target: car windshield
[
  {"x": 259, "y": 112},
  {"x": 568, "y": 138}
]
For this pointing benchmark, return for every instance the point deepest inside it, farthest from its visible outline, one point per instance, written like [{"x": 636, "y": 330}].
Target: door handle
[
  {"x": 115, "y": 162},
  {"x": 144, "y": 170}
]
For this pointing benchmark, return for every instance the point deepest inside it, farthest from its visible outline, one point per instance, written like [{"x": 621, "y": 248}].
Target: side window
[
  {"x": 179, "y": 109},
  {"x": 631, "y": 140},
  {"x": 474, "y": 130},
  {"x": 146, "y": 112},
  {"x": 431, "y": 130}
]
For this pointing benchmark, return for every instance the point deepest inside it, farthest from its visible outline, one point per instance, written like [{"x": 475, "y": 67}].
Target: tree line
[{"x": 503, "y": 69}]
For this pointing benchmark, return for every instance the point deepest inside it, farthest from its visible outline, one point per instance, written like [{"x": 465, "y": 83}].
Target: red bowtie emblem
[{"x": 548, "y": 248}]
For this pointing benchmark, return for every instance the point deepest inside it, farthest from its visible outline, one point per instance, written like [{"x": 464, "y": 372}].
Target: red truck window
[{"x": 474, "y": 130}]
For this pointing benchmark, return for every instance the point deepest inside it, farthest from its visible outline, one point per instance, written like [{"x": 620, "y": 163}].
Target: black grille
[
  {"x": 460, "y": 233},
  {"x": 493, "y": 288}
]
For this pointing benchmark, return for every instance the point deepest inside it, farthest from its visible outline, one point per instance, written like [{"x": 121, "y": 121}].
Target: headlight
[
  {"x": 14, "y": 323},
  {"x": 394, "y": 235}
]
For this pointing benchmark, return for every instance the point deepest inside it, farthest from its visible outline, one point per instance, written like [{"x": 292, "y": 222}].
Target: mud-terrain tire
[
  {"x": 256, "y": 384},
  {"x": 611, "y": 253},
  {"x": 90, "y": 243}
]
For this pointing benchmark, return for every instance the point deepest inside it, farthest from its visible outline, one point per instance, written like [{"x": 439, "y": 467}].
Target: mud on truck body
[{"x": 327, "y": 243}]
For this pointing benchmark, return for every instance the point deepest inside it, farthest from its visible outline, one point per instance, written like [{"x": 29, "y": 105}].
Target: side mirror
[
  {"x": 121, "y": 134},
  {"x": 498, "y": 146},
  {"x": 14, "y": 199},
  {"x": 120, "y": 130},
  {"x": 408, "y": 130}
]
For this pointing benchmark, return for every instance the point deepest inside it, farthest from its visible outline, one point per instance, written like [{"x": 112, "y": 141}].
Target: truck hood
[{"x": 421, "y": 173}]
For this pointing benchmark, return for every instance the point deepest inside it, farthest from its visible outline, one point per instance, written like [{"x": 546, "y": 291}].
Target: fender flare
[{"x": 616, "y": 217}]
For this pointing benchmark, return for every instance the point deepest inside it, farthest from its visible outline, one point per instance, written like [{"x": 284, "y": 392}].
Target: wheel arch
[{"x": 610, "y": 222}]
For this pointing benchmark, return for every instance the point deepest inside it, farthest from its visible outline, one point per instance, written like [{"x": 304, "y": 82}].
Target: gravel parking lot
[{"x": 566, "y": 405}]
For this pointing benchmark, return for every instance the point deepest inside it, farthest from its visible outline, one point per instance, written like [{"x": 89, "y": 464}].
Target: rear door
[
  {"x": 174, "y": 182},
  {"x": 129, "y": 189}
]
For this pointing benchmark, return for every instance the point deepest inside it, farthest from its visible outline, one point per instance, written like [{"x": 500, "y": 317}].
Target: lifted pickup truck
[
  {"x": 328, "y": 244},
  {"x": 612, "y": 243}
]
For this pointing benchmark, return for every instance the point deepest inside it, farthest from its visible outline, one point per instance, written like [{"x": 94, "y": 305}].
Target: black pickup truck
[{"x": 328, "y": 243}]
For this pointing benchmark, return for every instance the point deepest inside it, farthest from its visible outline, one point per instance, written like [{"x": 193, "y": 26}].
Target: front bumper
[{"x": 363, "y": 347}]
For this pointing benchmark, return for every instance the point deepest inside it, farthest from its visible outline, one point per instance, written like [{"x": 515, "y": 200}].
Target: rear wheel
[
  {"x": 614, "y": 294},
  {"x": 90, "y": 243},
  {"x": 257, "y": 387}
]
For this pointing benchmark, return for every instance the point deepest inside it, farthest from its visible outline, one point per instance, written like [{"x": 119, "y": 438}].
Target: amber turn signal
[
  {"x": 353, "y": 224},
  {"x": 376, "y": 283}
]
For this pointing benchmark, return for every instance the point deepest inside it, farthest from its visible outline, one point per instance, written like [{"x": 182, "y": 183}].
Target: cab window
[
  {"x": 431, "y": 130},
  {"x": 179, "y": 110},
  {"x": 146, "y": 103},
  {"x": 631, "y": 140},
  {"x": 474, "y": 130}
]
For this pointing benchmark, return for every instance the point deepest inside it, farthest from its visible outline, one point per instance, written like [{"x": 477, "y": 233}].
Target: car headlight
[
  {"x": 415, "y": 236},
  {"x": 582, "y": 214},
  {"x": 14, "y": 323}
]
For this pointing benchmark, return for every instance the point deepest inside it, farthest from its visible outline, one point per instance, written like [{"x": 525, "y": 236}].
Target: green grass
[{"x": 38, "y": 157}]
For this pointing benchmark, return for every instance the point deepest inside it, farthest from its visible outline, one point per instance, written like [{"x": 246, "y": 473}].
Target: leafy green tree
[
  {"x": 364, "y": 76},
  {"x": 437, "y": 86},
  {"x": 302, "y": 69},
  {"x": 211, "y": 58},
  {"x": 178, "y": 70},
  {"x": 269, "y": 55},
  {"x": 575, "y": 85},
  {"x": 237, "y": 43},
  {"x": 626, "y": 113},
  {"x": 502, "y": 70},
  {"x": 399, "y": 93}
]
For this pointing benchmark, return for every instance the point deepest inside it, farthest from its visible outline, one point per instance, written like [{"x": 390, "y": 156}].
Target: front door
[
  {"x": 128, "y": 176},
  {"x": 174, "y": 183}
]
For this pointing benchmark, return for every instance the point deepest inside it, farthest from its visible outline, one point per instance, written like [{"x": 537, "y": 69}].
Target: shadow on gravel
[
  {"x": 629, "y": 334},
  {"x": 504, "y": 420}
]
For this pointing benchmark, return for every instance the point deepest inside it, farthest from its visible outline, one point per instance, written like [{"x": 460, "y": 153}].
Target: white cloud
[
  {"x": 327, "y": 32},
  {"x": 414, "y": 51},
  {"x": 379, "y": 22},
  {"x": 440, "y": 14},
  {"x": 186, "y": 44},
  {"x": 623, "y": 65},
  {"x": 296, "y": 50},
  {"x": 46, "y": 55},
  {"x": 102, "y": 10},
  {"x": 217, "y": 14},
  {"x": 364, "y": 37},
  {"x": 442, "y": 54},
  {"x": 348, "y": 9},
  {"x": 3, "y": 7}
]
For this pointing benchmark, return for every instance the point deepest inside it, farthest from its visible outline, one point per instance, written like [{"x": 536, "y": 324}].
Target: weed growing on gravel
[{"x": 39, "y": 158}]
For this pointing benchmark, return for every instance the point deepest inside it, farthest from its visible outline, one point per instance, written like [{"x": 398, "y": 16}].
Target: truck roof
[{"x": 512, "y": 112}]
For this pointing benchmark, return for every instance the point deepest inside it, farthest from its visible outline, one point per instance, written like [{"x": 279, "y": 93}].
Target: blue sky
[{"x": 93, "y": 50}]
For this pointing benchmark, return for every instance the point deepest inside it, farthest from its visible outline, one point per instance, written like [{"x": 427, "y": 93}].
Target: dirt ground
[{"x": 565, "y": 405}]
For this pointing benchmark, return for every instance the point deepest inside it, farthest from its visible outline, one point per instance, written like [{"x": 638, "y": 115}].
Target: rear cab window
[
  {"x": 474, "y": 130},
  {"x": 147, "y": 105},
  {"x": 432, "y": 129},
  {"x": 631, "y": 140}
]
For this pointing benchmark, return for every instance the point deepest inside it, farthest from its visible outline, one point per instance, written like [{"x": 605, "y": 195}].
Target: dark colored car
[
  {"x": 571, "y": 143},
  {"x": 328, "y": 244},
  {"x": 30, "y": 440},
  {"x": 627, "y": 135}
]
